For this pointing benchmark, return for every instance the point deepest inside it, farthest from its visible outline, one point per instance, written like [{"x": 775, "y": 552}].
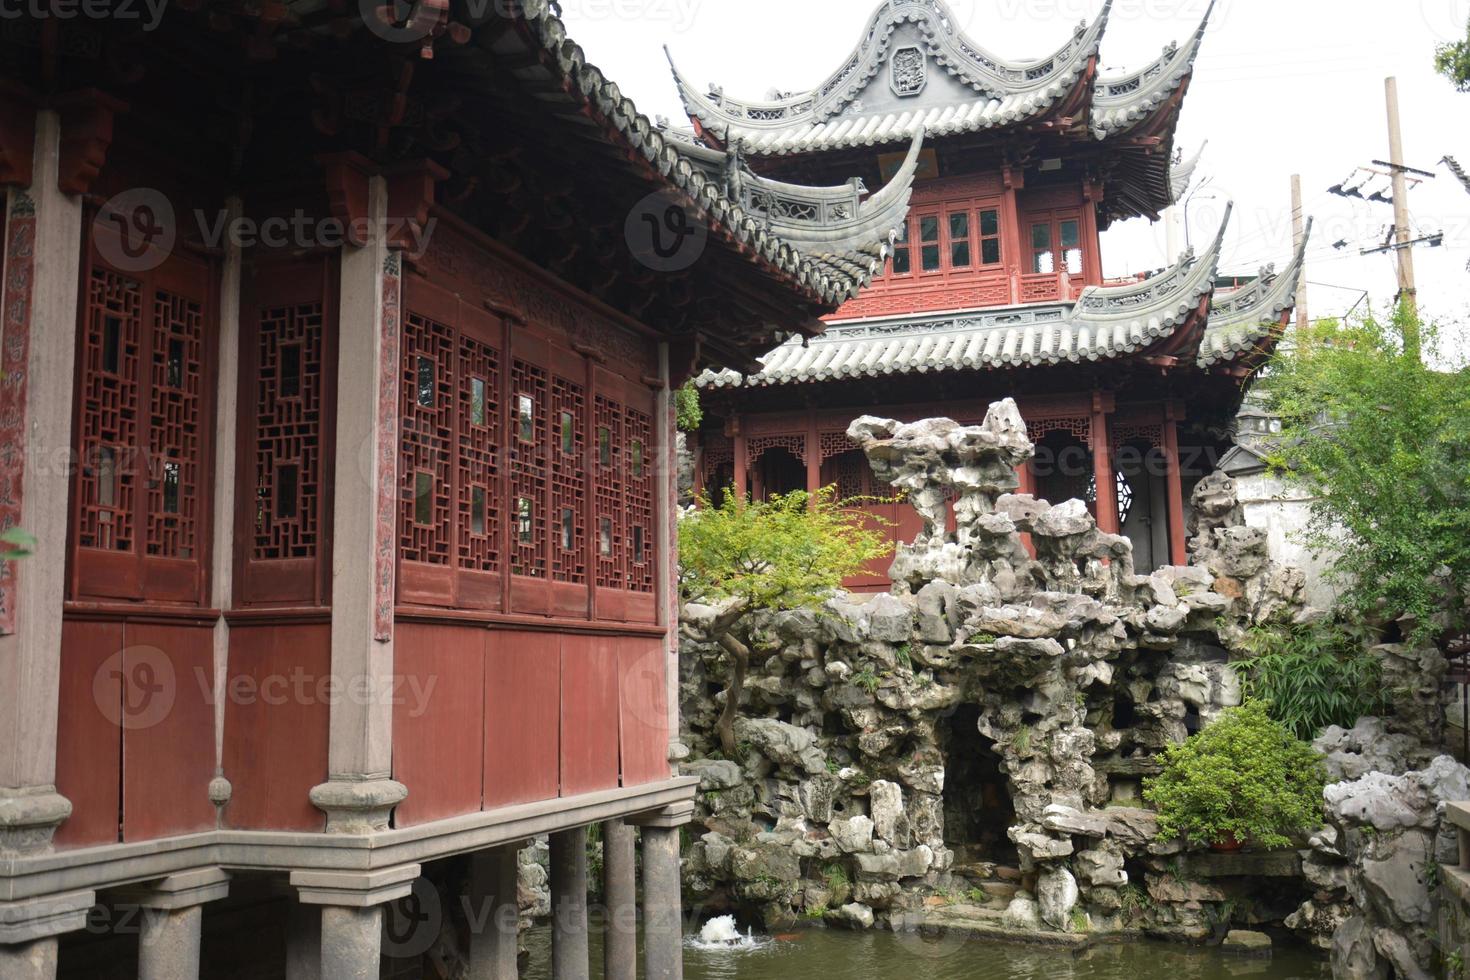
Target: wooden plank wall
[
  {"x": 275, "y": 741},
  {"x": 494, "y": 718}
]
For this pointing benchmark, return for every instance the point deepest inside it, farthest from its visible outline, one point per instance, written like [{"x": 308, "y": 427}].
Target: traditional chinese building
[
  {"x": 995, "y": 286},
  {"x": 337, "y": 364}
]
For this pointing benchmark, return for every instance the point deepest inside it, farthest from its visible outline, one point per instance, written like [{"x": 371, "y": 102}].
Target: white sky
[{"x": 1281, "y": 87}]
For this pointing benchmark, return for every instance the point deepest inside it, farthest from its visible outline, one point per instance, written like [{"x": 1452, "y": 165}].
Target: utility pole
[
  {"x": 1297, "y": 219},
  {"x": 1408, "y": 295}
]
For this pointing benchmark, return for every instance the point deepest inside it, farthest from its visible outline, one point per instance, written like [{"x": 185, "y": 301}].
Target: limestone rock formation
[{"x": 978, "y": 737}]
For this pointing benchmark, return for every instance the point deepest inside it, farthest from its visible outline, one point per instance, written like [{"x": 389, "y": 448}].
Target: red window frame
[
  {"x": 912, "y": 247},
  {"x": 166, "y": 557}
]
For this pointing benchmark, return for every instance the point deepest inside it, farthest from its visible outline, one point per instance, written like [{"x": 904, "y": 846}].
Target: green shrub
[
  {"x": 1245, "y": 775},
  {"x": 1312, "y": 676},
  {"x": 688, "y": 413}
]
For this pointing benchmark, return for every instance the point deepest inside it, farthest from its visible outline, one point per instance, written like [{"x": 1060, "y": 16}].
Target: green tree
[
  {"x": 1384, "y": 442},
  {"x": 1243, "y": 776},
  {"x": 788, "y": 552},
  {"x": 1452, "y": 60},
  {"x": 688, "y": 413}
]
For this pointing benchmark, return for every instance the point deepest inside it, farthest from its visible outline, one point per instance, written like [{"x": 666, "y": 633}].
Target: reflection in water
[{"x": 832, "y": 954}]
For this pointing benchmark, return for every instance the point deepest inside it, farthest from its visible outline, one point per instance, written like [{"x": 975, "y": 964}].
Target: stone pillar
[
  {"x": 494, "y": 914},
  {"x": 360, "y": 793},
  {"x": 28, "y": 931},
  {"x": 663, "y": 911},
  {"x": 619, "y": 892},
  {"x": 352, "y": 915},
  {"x": 171, "y": 916},
  {"x": 38, "y": 331},
  {"x": 569, "y": 905},
  {"x": 304, "y": 943}
]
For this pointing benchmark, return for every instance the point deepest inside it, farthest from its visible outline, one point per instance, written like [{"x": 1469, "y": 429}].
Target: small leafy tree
[
  {"x": 688, "y": 413},
  {"x": 1384, "y": 441},
  {"x": 788, "y": 552},
  {"x": 1452, "y": 60},
  {"x": 1243, "y": 776},
  {"x": 1312, "y": 676}
]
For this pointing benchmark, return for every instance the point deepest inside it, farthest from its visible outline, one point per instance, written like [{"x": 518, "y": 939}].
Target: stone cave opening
[{"x": 977, "y": 796}]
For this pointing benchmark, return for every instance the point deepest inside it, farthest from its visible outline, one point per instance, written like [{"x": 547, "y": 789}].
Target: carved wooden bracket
[
  {"x": 86, "y": 133},
  {"x": 410, "y": 196},
  {"x": 17, "y": 136},
  {"x": 684, "y": 355},
  {"x": 347, "y": 176}
]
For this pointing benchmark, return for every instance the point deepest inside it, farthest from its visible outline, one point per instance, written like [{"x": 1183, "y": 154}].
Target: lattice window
[
  {"x": 568, "y": 481},
  {"x": 528, "y": 450},
  {"x": 109, "y": 412},
  {"x": 638, "y": 463},
  {"x": 795, "y": 445},
  {"x": 288, "y": 417},
  {"x": 835, "y": 444},
  {"x": 851, "y": 474},
  {"x": 718, "y": 449},
  {"x": 607, "y": 459},
  {"x": 427, "y": 440},
  {"x": 1078, "y": 425},
  {"x": 175, "y": 412},
  {"x": 1151, "y": 433},
  {"x": 478, "y": 460}
]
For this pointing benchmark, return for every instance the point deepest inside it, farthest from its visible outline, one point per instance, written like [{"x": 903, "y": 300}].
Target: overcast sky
[{"x": 1281, "y": 87}]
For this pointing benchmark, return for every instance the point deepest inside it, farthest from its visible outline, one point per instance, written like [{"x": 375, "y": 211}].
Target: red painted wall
[{"x": 275, "y": 739}]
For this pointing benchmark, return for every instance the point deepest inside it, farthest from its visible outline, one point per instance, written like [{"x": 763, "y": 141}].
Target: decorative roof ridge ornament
[
  {"x": 1181, "y": 173},
  {"x": 1118, "y": 103},
  {"x": 1241, "y": 318},
  {"x": 1174, "y": 291},
  {"x": 1042, "y": 80}
]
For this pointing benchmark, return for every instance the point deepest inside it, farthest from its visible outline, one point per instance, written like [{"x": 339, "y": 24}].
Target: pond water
[{"x": 823, "y": 954}]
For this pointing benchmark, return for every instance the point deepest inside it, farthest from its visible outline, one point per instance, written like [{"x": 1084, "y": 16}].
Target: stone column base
[
  {"x": 358, "y": 806},
  {"x": 29, "y": 818}
]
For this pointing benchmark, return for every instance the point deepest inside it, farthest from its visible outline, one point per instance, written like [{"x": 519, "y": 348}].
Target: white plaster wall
[{"x": 1282, "y": 508}]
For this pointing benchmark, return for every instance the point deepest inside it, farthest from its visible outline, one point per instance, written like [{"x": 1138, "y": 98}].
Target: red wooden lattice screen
[
  {"x": 529, "y": 464},
  {"x": 144, "y": 393},
  {"x": 288, "y": 439},
  {"x": 479, "y": 457},
  {"x": 611, "y": 529},
  {"x": 427, "y": 429},
  {"x": 638, "y": 470},
  {"x": 568, "y": 481},
  {"x": 109, "y": 392}
]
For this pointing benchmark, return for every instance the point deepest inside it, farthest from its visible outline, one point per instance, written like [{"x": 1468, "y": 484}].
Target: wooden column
[
  {"x": 38, "y": 334},
  {"x": 1012, "y": 245},
  {"x": 1177, "y": 550},
  {"x": 1091, "y": 248},
  {"x": 360, "y": 793},
  {"x": 813, "y": 453},
  {"x": 742, "y": 461},
  {"x": 1027, "y": 482},
  {"x": 1102, "y": 464}
]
